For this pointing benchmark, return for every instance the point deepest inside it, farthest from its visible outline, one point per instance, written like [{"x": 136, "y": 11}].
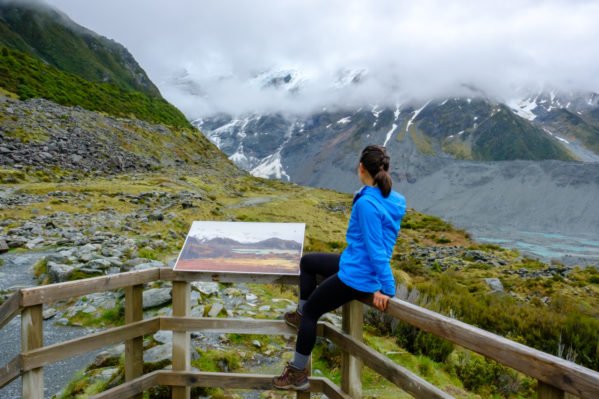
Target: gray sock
[
  {"x": 300, "y": 361},
  {"x": 302, "y": 302}
]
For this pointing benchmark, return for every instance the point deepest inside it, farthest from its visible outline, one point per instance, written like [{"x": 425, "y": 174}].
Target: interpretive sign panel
[{"x": 243, "y": 247}]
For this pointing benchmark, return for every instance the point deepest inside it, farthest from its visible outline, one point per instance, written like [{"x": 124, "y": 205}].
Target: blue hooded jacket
[{"x": 373, "y": 228}]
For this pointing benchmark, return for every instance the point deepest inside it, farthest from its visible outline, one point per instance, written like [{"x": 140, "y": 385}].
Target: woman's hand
[{"x": 380, "y": 300}]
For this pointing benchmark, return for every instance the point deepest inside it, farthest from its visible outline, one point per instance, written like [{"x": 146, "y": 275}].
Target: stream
[{"x": 15, "y": 273}]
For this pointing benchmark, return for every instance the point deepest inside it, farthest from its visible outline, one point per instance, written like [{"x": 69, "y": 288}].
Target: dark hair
[{"x": 375, "y": 160}]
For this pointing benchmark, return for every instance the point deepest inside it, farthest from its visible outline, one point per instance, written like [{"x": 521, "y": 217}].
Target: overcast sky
[{"x": 203, "y": 55}]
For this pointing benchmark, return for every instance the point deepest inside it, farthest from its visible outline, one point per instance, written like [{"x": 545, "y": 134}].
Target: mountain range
[{"x": 499, "y": 169}]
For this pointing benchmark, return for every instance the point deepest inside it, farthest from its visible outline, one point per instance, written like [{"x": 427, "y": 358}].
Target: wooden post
[
  {"x": 32, "y": 382},
  {"x": 546, "y": 391},
  {"x": 134, "y": 355},
  {"x": 351, "y": 377},
  {"x": 181, "y": 339}
]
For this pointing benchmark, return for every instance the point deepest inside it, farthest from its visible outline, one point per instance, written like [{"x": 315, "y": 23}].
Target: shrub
[{"x": 438, "y": 349}]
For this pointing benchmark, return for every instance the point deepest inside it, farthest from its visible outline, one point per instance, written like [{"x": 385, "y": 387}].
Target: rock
[
  {"x": 49, "y": 313},
  {"x": 3, "y": 247},
  {"x": 216, "y": 309},
  {"x": 205, "y": 287},
  {"x": 250, "y": 297},
  {"x": 106, "y": 374},
  {"x": 99, "y": 264},
  {"x": 16, "y": 242},
  {"x": 156, "y": 297},
  {"x": 198, "y": 311},
  {"x": 149, "y": 265},
  {"x": 257, "y": 343},
  {"x": 264, "y": 308},
  {"x": 136, "y": 261},
  {"x": 230, "y": 291},
  {"x": 59, "y": 257},
  {"x": 89, "y": 309},
  {"x": 88, "y": 248},
  {"x": 59, "y": 272},
  {"x": 34, "y": 243},
  {"x": 195, "y": 297},
  {"x": 163, "y": 336},
  {"x": 494, "y": 284},
  {"x": 158, "y": 353},
  {"x": 156, "y": 216}
]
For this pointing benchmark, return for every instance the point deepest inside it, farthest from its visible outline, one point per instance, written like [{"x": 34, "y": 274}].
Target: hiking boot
[
  {"x": 292, "y": 379},
  {"x": 293, "y": 318}
]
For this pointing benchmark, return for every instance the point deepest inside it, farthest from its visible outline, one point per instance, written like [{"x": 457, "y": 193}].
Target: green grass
[
  {"x": 30, "y": 78},
  {"x": 422, "y": 141},
  {"x": 38, "y": 31}
]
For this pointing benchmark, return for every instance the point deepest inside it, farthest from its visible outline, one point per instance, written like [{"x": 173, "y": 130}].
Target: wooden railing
[{"x": 557, "y": 377}]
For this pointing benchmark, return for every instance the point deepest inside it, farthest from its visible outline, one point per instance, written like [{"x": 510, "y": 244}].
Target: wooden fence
[{"x": 557, "y": 377}]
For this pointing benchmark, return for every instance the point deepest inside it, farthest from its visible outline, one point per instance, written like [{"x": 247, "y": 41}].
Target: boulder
[
  {"x": 149, "y": 265},
  {"x": 163, "y": 336},
  {"x": 494, "y": 284},
  {"x": 158, "y": 353},
  {"x": 216, "y": 309},
  {"x": 3, "y": 247},
  {"x": 59, "y": 272},
  {"x": 156, "y": 297},
  {"x": 99, "y": 264},
  {"x": 205, "y": 287}
]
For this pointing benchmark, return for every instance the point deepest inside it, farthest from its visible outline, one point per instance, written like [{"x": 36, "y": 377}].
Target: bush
[{"x": 438, "y": 349}]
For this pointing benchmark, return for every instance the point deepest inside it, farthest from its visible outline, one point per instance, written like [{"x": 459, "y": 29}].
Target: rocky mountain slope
[{"x": 47, "y": 141}]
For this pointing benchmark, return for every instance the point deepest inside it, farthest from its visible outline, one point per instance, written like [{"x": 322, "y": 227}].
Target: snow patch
[
  {"x": 270, "y": 167},
  {"x": 376, "y": 112},
  {"x": 415, "y": 115},
  {"x": 389, "y": 134},
  {"x": 563, "y": 140},
  {"x": 524, "y": 108},
  {"x": 344, "y": 121},
  {"x": 397, "y": 111}
]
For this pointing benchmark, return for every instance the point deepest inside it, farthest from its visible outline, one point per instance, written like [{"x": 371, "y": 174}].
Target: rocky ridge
[{"x": 54, "y": 142}]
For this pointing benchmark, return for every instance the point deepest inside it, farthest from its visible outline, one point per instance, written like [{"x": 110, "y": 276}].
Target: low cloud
[{"x": 205, "y": 57}]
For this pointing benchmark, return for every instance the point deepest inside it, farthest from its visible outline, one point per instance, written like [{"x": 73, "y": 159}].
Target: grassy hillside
[
  {"x": 505, "y": 136},
  {"x": 48, "y": 35},
  {"x": 452, "y": 116},
  {"x": 478, "y": 130},
  {"x": 29, "y": 78}
]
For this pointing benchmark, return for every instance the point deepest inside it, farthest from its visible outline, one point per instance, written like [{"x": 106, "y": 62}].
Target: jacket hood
[{"x": 394, "y": 204}]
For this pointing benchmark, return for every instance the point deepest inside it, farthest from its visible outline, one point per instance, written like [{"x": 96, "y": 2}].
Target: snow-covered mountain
[
  {"x": 544, "y": 126},
  {"x": 444, "y": 155}
]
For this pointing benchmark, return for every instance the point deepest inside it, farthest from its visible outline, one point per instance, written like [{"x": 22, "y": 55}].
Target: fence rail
[{"x": 556, "y": 376}]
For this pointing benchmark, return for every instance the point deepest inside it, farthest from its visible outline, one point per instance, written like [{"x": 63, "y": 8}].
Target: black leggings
[{"x": 321, "y": 298}]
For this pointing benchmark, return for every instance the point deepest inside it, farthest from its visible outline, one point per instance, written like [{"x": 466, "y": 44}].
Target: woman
[{"x": 362, "y": 269}]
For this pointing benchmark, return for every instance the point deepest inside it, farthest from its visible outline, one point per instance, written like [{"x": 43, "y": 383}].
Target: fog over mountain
[{"x": 220, "y": 56}]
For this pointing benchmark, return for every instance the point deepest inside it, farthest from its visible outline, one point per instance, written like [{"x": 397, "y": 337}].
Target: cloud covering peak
[{"x": 208, "y": 57}]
